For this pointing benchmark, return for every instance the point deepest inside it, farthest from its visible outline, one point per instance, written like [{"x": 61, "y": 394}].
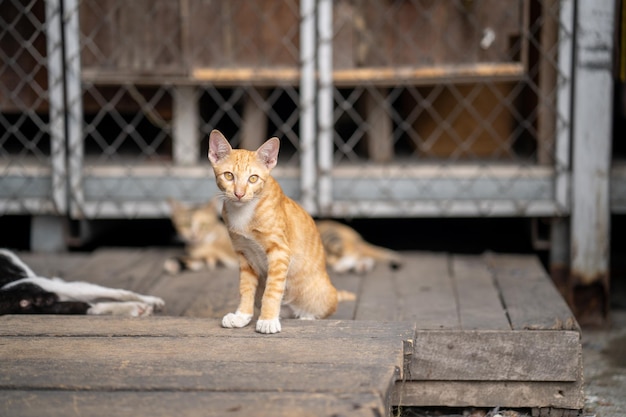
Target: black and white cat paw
[
  {"x": 156, "y": 302},
  {"x": 127, "y": 308}
]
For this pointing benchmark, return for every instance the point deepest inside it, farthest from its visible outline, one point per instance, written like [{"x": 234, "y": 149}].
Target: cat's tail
[
  {"x": 393, "y": 258},
  {"x": 343, "y": 295}
]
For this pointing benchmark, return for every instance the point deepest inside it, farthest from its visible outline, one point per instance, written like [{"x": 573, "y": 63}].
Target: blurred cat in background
[
  {"x": 207, "y": 243},
  {"x": 347, "y": 251}
]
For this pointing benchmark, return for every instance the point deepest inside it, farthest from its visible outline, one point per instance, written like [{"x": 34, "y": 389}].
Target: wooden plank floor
[{"x": 444, "y": 330}]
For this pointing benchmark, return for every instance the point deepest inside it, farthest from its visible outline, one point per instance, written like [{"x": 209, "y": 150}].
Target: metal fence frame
[
  {"x": 64, "y": 189},
  {"x": 319, "y": 185},
  {"x": 36, "y": 187}
]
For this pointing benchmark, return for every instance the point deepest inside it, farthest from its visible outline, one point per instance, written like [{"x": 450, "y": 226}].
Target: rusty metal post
[{"x": 590, "y": 228}]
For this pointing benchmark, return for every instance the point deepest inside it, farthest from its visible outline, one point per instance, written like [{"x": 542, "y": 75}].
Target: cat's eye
[
  {"x": 229, "y": 176},
  {"x": 253, "y": 178}
]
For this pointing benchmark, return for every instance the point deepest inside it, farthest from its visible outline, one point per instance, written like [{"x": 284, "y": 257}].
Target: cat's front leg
[
  {"x": 269, "y": 320},
  {"x": 248, "y": 283}
]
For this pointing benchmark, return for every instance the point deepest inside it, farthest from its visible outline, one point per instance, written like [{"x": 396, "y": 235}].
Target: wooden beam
[
  {"x": 568, "y": 395},
  {"x": 276, "y": 76},
  {"x": 493, "y": 355}
]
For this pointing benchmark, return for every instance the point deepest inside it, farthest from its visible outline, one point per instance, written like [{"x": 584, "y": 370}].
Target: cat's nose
[{"x": 239, "y": 194}]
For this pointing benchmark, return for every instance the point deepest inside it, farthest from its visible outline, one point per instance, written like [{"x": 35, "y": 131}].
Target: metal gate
[
  {"x": 32, "y": 123},
  {"x": 383, "y": 108}
]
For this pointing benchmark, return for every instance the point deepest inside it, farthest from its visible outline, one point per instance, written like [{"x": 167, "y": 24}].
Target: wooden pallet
[
  {"x": 192, "y": 367},
  {"x": 445, "y": 330}
]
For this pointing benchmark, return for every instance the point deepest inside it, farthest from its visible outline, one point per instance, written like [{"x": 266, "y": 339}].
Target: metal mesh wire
[
  {"x": 438, "y": 108},
  {"x": 31, "y": 177}
]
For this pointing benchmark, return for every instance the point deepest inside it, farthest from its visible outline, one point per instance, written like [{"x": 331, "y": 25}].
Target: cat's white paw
[
  {"x": 171, "y": 266},
  {"x": 195, "y": 265},
  {"x": 127, "y": 308},
  {"x": 268, "y": 326},
  {"x": 236, "y": 320},
  {"x": 364, "y": 265},
  {"x": 155, "y": 302},
  {"x": 140, "y": 310}
]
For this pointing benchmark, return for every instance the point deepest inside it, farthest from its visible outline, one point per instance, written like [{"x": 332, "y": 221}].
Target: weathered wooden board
[
  {"x": 492, "y": 355},
  {"x": 514, "y": 394},
  {"x": 109, "y": 360},
  {"x": 201, "y": 293},
  {"x": 129, "y": 374},
  {"x": 426, "y": 292},
  {"x": 482, "y": 330},
  {"x": 109, "y": 326},
  {"x": 35, "y": 403},
  {"x": 346, "y": 310},
  {"x": 129, "y": 268},
  {"x": 421, "y": 291},
  {"x": 478, "y": 299},
  {"x": 378, "y": 299},
  {"x": 529, "y": 296},
  {"x": 48, "y": 265},
  {"x": 153, "y": 350}
]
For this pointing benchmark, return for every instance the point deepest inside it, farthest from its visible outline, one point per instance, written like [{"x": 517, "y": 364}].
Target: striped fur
[{"x": 280, "y": 251}]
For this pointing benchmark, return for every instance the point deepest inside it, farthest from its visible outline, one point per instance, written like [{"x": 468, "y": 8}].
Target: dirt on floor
[{"x": 604, "y": 367}]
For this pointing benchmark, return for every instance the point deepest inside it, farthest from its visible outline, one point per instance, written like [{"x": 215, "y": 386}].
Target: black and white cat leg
[
  {"x": 236, "y": 320},
  {"x": 88, "y": 292},
  {"x": 156, "y": 303},
  {"x": 124, "y": 308}
]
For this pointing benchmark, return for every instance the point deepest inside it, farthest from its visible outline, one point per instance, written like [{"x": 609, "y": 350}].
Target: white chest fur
[{"x": 239, "y": 216}]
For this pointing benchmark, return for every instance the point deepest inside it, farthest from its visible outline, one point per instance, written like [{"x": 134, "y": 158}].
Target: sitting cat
[
  {"x": 280, "y": 251},
  {"x": 346, "y": 250},
  {"x": 24, "y": 292},
  {"x": 205, "y": 235}
]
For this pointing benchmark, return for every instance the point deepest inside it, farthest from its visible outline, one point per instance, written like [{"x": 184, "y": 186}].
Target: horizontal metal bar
[
  {"x": 27, "y": 205},
  {"x": 450, "y": 208},
  {"x": 19, "y": 187},
  {"x": 144, "y": 196},
  {"x": 32, "y": 183}
]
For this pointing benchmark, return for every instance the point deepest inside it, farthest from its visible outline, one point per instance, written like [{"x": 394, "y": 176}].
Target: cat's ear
[
  {"x": 268, "y": 152},
  {"x": 175, "y": 205},
  {"x": 219, "y": 147}
]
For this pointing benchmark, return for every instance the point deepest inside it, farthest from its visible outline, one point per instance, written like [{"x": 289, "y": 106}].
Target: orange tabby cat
[
  {"x": 207, "y": 243},
  {"x": 347, "y": 251},
  {"x": 280, "y": 251}
]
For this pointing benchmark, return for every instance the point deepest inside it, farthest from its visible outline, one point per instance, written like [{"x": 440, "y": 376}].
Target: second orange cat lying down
[{"x": 279, "y": 247}]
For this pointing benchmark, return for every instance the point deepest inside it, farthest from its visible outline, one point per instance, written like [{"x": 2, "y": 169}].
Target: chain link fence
[
  {"x": 32, "y": 148},
  {"x": 383, "y": 107}
]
